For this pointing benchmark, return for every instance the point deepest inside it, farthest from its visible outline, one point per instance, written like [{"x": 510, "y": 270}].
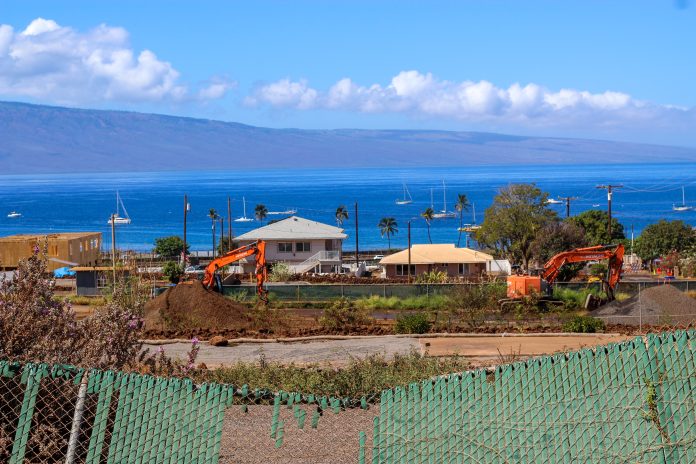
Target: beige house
[
  {"x": 306, "y": 246},
  {"x": 456, "y": 262},
  {"x": 64, "y": 249}
]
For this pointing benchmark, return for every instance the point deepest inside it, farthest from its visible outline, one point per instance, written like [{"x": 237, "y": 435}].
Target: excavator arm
[
  {"x": 257, "y": 248},
  {"x": 613, "y": 253}
]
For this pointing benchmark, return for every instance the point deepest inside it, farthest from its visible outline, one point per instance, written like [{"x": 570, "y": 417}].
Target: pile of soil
[
  {"x": 190, "y": 307},
  {"x": 660, "y": 305}
]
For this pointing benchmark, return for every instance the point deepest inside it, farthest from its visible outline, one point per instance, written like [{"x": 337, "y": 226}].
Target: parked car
[{"x": 377, "y": 257}]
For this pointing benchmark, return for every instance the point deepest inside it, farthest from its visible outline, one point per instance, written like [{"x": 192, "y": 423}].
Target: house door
[{"x": 328, "y": 245}]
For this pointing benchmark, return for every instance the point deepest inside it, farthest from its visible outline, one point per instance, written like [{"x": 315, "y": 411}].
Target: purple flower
[
  {"x": 195, "y": 341},
  {"x": 133, "y": 324}
]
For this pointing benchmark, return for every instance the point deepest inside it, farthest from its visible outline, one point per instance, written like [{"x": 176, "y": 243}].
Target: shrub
[
  {"x": 432, "y": 277},
  {"x": 169, "y": 247},
  {"x": 280, "y": 272},
  {"x": 172, "y": 271},
  {"x": 599, "y": 270},
  {"x": 415, "y": 323},
  {"x": 342, "y": 314},
  {"x": 584, "y": 324},
  {"x": 471, "y": 303}
]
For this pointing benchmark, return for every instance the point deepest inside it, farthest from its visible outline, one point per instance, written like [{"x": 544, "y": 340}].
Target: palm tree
[
  {"x": 428, "y": 216},
  {"x": 341, "y": 215},
  {"x": 388, "y": 226},
  {"x": 260, "y": 212},
  {"x": 213, "y": 215},
  {"x": 461, "y": 205}
]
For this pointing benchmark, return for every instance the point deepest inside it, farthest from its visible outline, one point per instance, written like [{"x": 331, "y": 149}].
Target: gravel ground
[
  {"x": 335, "y": 352},
  {"x": 246, "y": 437}
]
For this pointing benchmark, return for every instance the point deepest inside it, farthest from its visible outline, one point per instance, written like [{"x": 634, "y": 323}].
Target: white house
[{"x": 306, "y": 246}]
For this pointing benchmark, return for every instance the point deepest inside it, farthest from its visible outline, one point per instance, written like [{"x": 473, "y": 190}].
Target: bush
[
  {"x": 342, "y": 314},
  {"x": 172, "y": 271},
  {"x": 416, "y": 323},
  {"x": 169, "y": 247},
  {"x": 280, "y": 272},
  {"x": 584, "y": 324},
  {"x": 432, "y": 277},
  {"x": 471, "y": 303},
  {"x": 361, "y": 377}
]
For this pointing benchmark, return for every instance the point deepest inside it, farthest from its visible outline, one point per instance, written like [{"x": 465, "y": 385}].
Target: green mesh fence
[{"x": 628, "y": 402}]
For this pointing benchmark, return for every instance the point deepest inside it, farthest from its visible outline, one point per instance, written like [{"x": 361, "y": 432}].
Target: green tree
[
  {"x": 172, "y": 271},
  {"x": 664, "y": 237},
  {"x": 595, "y": 224},
  {"x": 260, "y": 212},
  {"x": 169, "y": 247},
  {"x": 341, "y": 215},
  {"x": 213, "y": 215},
  {"x": 514, "y": 220},
  {"x": 428, "y": 216},
  {"x": 388, "y": 226},
  {"x": 461, "y": 205},
  {"x": 555, "y": 238}
]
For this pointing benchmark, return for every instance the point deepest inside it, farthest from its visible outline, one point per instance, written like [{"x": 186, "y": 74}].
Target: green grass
[
  {"x": 574, "y": 298},
  {"x": 361, "y": 377},
  {"x": 422, "y": 302},
  {"x": 85, "y": 300}
]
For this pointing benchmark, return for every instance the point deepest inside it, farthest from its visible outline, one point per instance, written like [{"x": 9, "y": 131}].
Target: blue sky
[{"x": 622, "y": 70}]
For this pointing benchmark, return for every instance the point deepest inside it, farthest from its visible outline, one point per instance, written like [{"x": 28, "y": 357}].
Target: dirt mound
[
  {"x": 660, "y": 305},
  {"x": 190, "y": 306}
]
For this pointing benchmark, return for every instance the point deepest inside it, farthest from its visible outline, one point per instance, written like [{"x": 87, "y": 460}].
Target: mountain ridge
[{"x": 53, "y": 139}]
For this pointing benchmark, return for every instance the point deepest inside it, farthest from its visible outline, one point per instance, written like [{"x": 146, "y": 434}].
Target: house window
[
  {"x": 463, "y": 269},
  {"x": 102, "y": 281},
  {"x": 81, "y": 247},
  {"x": 402, "y": 269},
  {"x": 301, "y": 247},
  {"x": 285, "y": 247}
]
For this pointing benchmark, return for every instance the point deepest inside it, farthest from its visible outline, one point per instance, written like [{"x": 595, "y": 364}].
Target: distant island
[{"x": 48, "y": 139}]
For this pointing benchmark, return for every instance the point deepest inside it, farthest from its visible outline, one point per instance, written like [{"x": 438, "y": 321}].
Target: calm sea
[{"x": 154, "y": 200}]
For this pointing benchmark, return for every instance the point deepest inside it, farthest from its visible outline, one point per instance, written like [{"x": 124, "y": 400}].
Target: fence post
[
  {"x": 298, "y": 293},
  {"x": 77, "y": 420},
  {"x": 384, "y": 290},
  {"x": 342, "y": 293}
]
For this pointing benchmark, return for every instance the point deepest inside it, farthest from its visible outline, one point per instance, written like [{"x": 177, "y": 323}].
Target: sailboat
[
  {"x": 117, "y": 219},
  {"x": 14, "y": 214},
  {"x": 405, "y": 201},
  {"x": 470, "y": 227},
  {"x": 288, "y": 212},
  {"x": 443, "y": 214},
  {"x": 683, "y": 206},
  {"x": 244, "y": 218},
  {"x": 553, "y": 201}
]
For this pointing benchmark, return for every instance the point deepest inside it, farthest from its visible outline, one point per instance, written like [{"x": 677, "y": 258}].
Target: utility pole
[
  {"x": 113, "y": 246},
  {"x": 186, "y": 210},
  {"x": 409, "y": 252},
  {"x": 223, "y": 250},
  {"x": 213, "y": 228},
  {"x": 567, "y": 202},
  {"x": 609, "y": 189},
  {"x": 229, "y": 223},
  {"x": 357, "y": 251}
]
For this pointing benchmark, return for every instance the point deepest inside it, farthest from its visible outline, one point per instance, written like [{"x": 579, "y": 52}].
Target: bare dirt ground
[{"x": 481, "y": 349}]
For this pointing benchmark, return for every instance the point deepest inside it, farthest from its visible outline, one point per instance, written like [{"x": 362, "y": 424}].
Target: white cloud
[
  {"x": 51, "y": 62},
  {"x": 423, "y": 95}
]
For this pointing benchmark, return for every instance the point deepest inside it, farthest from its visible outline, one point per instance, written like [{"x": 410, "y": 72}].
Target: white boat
[
  {"x": 443, "y": 214},
  {"x": 470, "y": 227},
  {"x": 553, "y": 201},
  {"x": 117, "y": 219},
  {"x": 683, "y": 206},
  {"x": 244, "y": 218},
  {"x": 286, "y": 212},
  {"x": 14, "y": 214},
  {"x": 407, "y": 197}
]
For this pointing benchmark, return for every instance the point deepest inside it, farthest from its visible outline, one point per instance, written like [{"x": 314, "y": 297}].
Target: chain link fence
[{"x": 628, "y": 402}]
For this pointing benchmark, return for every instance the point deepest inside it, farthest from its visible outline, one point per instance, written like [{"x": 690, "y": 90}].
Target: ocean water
[{"x": 154, "y": 200}]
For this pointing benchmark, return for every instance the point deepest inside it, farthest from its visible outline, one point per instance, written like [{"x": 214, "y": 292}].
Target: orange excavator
[
  {"x": 212, "y": 280},
  {"x": 519, "y": 286}
]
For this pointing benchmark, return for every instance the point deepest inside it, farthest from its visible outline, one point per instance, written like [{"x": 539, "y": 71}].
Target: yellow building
[{"x": 64, "y": 249}]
